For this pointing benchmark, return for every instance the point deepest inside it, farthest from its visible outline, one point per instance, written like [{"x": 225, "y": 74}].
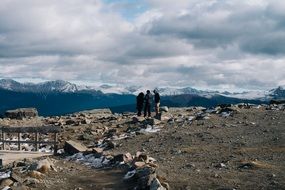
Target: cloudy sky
[{"x": 215, "y": 44}]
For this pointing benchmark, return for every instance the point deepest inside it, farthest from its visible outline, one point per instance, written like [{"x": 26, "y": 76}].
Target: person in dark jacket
[
  {"x": 140, "y": 100},
  {"x": 147, "y": 105},
  {"x": 156, "y": 102}
]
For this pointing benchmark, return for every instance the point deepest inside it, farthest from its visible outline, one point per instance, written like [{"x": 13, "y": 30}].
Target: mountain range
[{"x": 62, "y": 97}]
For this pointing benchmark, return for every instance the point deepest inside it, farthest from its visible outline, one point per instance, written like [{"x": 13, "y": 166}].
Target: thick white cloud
[{"x": 209, "y": 44}]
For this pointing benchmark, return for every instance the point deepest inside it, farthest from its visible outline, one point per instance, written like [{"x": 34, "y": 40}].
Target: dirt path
[{"x": 72, "y": 175}]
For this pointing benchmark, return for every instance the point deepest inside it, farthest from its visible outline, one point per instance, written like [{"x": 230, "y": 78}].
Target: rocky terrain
[{"x": 227, "y": 147}]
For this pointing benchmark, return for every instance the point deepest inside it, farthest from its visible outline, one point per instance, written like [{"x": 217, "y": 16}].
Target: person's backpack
[{"x": 147, "y": 99}]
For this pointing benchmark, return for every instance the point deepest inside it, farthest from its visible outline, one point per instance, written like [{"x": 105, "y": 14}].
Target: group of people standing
[{"x": 145, "y": 102}]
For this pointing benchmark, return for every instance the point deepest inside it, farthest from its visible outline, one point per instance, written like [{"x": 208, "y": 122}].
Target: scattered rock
[
  {"x": 253, "y": 165},
  {"x": 145, "y": 176},
  {"x": 165, "y": 185},
  {"x": 138, "y": 119},
  {"x": 36, "y": 174},
  {"x": 44, "y": 166},
  {"x": 118, "y": 158},
  {"x": 70, "y": 122},
  {"x": 86, "y": 121},
  {"x": 17, "y": 178},
  {"x": 32, "y": 181},
  {"x": 221, "y": 165},
  {"x": 139, "y": 164},
  {"x": 142, "y": 157},
  {"x": 6, "y": 182},
  {"x": 109, "y": 144},
  {"x": 22, "y": 187},
  {"x": 156, "y": 185},
  {"x": 128, "y": 158},
  {"x": 153, "y": 121}
]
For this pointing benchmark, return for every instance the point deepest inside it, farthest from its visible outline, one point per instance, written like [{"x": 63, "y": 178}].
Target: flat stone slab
[
  {"x": 97, "y": 111},
  {"x": 72, "y": 147},
  {"x": 11, "y": 156},
  {"x": 21, "y": 113}
]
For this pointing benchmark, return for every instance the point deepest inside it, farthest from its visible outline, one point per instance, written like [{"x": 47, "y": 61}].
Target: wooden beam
[
  {"x": 3, "y": 140},
  {"x": 55, "y": 143},
  {"x": 29, "y": 142},
  {"x": 42, "y": 129},
  {"x": 19, "y": 139},
  {"x": 36, "y": 141}
]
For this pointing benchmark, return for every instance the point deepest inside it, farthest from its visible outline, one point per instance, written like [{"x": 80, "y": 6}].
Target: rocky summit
[{"x": 239, "y": 146}]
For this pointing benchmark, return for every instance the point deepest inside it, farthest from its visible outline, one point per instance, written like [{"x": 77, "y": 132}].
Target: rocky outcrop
[{"x": 22, "y": 113}]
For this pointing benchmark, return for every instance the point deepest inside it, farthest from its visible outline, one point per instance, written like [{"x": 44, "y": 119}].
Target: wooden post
[
  {"x": 36, "y": 141},
  {"x": 55, "y": 143},
  {"x": 19, "y": 143},
  {"x": 3, "y": 140}
]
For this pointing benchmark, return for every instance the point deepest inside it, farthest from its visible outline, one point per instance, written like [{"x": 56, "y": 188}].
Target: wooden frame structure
[{"x": 35, "y": 130}]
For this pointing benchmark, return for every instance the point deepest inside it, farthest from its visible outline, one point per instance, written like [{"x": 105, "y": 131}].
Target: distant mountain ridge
[
  {"x": 68, "y": 87},
  {"x": 49, "y": 86},
  {"x": 62, "y": 97}
]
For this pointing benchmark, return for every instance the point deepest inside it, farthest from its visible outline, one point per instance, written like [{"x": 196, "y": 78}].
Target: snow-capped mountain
[
  {"x": 164, "y": 91},
  {"x": 62, "y": 97},
  {"x": 250, "y": 95},
  {"x": 115, "y": 89},
  {"x": 67, "y": 87},
  {"x": 178, "y": 91},
  {"x": 276, "y": 93},
  {"x": 10, "y": 84},
  {"x": 50, "y": 86}
]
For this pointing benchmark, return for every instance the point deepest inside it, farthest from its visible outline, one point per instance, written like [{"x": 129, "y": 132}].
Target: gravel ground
[{"x": 242, "y": 151}]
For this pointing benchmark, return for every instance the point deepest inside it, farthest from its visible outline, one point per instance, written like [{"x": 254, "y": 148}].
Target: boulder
[
  {"x": 21, "y": 113},
  {"x": 118, "y": 158},
  {"x": 109, "y": 144},
  {"x": 86, "y": 121},
  {"x": 142, "y": 157},
  {"x": 164, "y": 109},
  {"x": 137, "y": 119},
  {"x": 44, "y": 166},
  {"x": 72, "y": 147},
  {"x": 70, "y": 122},
  {"x": 128, "y": 157}
]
